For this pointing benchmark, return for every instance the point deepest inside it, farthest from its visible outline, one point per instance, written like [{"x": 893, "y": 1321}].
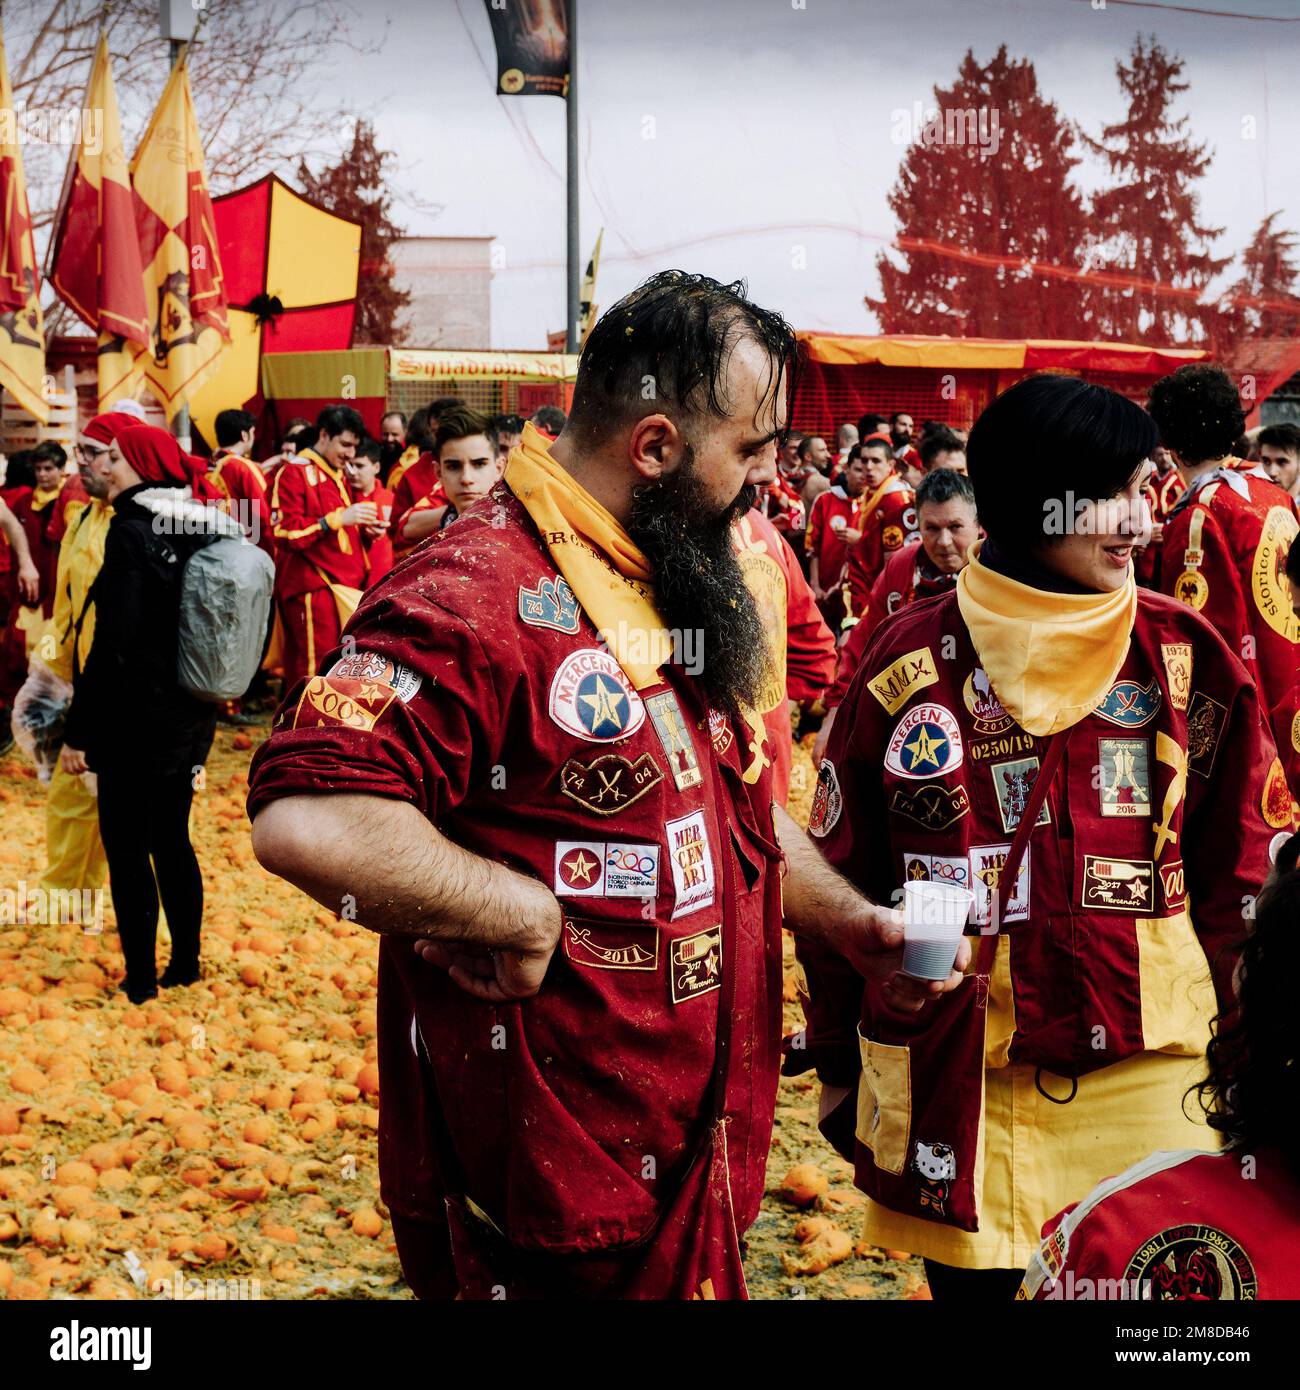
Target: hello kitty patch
[{"x": 936, "y": 1165}]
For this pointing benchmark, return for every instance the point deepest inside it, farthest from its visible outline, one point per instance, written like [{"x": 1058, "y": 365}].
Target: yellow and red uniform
[
  {"x": 1162, "y": 494},
  {"x": 243, "y": 486},
  {"x": 409, "y": 486},
  {"x": 887, "y": 518},
  {"x": 379, "y": 549}
]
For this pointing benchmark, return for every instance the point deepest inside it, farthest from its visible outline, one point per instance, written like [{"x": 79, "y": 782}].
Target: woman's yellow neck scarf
[
  {"x": 1050, "y": 658},
  {"x": 606, "y": 570}
]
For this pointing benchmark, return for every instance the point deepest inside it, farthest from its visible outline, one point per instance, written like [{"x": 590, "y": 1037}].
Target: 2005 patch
[
  {"x": 611, "y": 783},
  {"x": 827, "y": 803},
  {"x": 896, "y": 684},
  {"x": 1125, "y": 776},
  {"x": 696, "y": 964},
  {"x": 1131, "y": 705},
  {"x": 611, "y": 945},
  {"x": 1119, "y": 885},
  {"x": 549, "y": 603},
  {"x": 1205, "y": 720},
  {"x": 352, "y": 704},
  {"x": 925, "y": 743},
  {"x": 1192, "y": 1263},
  {"x": 592, "y": 699},
  {"x": 932, "y": 806}
]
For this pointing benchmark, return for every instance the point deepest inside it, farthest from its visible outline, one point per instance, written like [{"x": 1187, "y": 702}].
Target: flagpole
[
  {"x": 571, "y": 124},
  {"x": 181, "y": 420}
]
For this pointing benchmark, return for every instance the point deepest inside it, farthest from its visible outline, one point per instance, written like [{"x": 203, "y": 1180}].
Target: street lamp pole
[{"x": 574, "y": 270}]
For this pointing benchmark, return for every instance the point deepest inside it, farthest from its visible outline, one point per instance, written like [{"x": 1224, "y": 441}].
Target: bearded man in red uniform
[
  {"x": 886, "y": 519},
  {"x": 565, "y": 838},
  {"x": 320, "y": 558},
  {"x": 1225, "y": 543}
]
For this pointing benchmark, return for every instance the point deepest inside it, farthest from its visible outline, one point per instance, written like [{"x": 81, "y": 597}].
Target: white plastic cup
[{"x": 934, "y": 917}]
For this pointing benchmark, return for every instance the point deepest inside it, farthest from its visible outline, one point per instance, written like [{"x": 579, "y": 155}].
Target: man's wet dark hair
[
  {"x": 944, "y": 485},
  {"x": 419, "y": 434},
  {"x": 460, "y": 422},
  {"x": 665, "y": 347},
  {"x": 1048, "y": 437},
  {"x": 872, "y": 423},
  {"x": 334, "y": 420},
  {"x": 939, "y": 441},
  {"x": 1281, "y": 436},
  {"x": 1252, "y": 1093},
  {"x": 506, "y": 424},
  {"x": 1198, "y": 412},
  {"x": 230, "y": 426}
]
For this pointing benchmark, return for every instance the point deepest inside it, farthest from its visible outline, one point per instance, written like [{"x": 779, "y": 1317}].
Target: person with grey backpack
[{"x": 179, "y": 606}]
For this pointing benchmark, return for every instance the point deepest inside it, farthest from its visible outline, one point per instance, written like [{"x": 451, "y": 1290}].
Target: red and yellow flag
[
  {"x": 185, "y": 292},
  {"x": 94, "y": 259},
  {"x": 22, "y": 327}
]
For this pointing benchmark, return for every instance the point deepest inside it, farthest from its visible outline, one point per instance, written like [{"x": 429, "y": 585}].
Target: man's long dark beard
[{"x": 699, "y": 584}]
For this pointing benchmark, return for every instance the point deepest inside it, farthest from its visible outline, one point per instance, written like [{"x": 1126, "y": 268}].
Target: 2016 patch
[
  {"x": 987, "y": 863},
  {"x": 720, "y": 734},
  {"x": 592, "y": 699},
  {"x": 352, "y": 704},
  {"x": 1004, "y": 747},
  {"x": 370, "y": 667},
  {"x": 1177, "y": 657},
  {"x": 1119, "y": 885},
  {"x": 896, "y": 684},
  {"x": 611, "y": 783},
  {"x": 937, "y": 868},
  {"x": 932, "y": 806},
  {"x": 1275, "y": 799},
  {"x": 827, "y": 803},
  {"x": 666, "y": 716},
  {"x": 1193, "y": 1263},
  {"x": 984, "y": 706},
  {"x": 695, "y": 964},
  {"x": 1205, "y": 720},
  {"x": 1129, "y": 704},
  {"x": 692, "y": 863},
  {"x": 606, "y": 869},
  {"x": 611, "y": 945},
  {"x": 1125, "y": 776},
  {"x": 925, "y": 743},
  {"x": 550, "y": 603},
  {"x": 1173, "y": 884},
  {"x": 1014, "y": 783}
]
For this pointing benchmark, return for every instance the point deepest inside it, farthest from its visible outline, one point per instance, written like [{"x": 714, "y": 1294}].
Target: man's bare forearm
[
  {"x": 817, "y": 900},
  {"x": 14, "y": 534},
  {"x": 380, "y": 861}
]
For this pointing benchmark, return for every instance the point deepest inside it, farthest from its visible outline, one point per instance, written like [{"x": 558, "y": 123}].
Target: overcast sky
[{"x": 771, "y": 125}]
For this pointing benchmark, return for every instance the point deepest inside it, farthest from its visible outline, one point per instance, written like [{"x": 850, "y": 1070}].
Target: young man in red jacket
[
  {"x": 238, "y": 479},
  {"x": 316, "y": 526},
  {"x": 887, "y": 520}
]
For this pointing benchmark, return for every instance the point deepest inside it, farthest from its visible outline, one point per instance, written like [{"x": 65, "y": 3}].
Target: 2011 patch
[
  {"x": 1177, "y": 657},
  {"x": 1005, "y": 746},
  {"x": 1275, "y": 799},
  {"x": 606, "y": 869},
  {"x": 692, "y": 863},
  {"x": 1014, "y": 784},
  {"x": 592, "y": 699},
  {"x": 666, "y": 716},
  {"x": 827, "y": 803},
  {"x": 1173, "y": 884},
  {"x": 937, "y": 868},
  {"x": 611, "y": 945},
  {"x": 1193, "y": 1263},
  {"x": 1125, "y": 787},
  {"x": 611, "y": 783},
  {"x": 695, "y": 964},
  {"x": 984, "y": 706},
  {"x": 925, "y": 743},
  {"x": 932, "y": 806},
  {"x": 372, "y": 668},
  {"x": 1119, "y": 885},
  {"x": 550, "y": 603},
  {"x": 896, "y": 684},
  {"x": 1205, "y": 720},
  {"x": 1129, "y": 704},
  {"x": 352, "y": 704},
  {"x": 987, "y": 863}
]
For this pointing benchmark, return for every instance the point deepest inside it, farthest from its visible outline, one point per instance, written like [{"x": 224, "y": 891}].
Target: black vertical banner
[{"x": 532, "y": 40}]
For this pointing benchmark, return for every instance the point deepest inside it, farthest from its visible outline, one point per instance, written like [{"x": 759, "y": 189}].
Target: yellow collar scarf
[
  {"x": 607, "y": 572},
  {"x": 1050, "y": 658}
]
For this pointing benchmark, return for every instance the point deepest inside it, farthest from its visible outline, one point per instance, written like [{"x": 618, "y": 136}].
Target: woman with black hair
[
  {"x": 1089, "y": 761},
  {"x": 1210, "y": 1226}
]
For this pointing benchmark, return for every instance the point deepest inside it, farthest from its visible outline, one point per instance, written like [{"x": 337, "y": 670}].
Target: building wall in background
[{"x": 450, "y": 283}]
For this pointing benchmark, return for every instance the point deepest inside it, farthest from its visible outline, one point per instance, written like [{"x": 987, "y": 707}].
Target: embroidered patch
[
  {"x": 933, "y": 806},
  {"x": 1192, "y": 1263},
  {"x": 827, "y": 803},
  {"x": 1119, "y": 885},
  {"x": 610, "y": 784},
  {"x": 1125, "y": 788},
  {"x": 1130, "y": 705},
  {"x": 1014, "y": 782},
  {"x": 613, "y": 869},
  {"x": 666, "y": 716},
  {"x": 549, "y": 603},
  {"x": 720, "y": 734},
  {"x": 371, "y": 667},
  {"x": 937, "y": 868},
  {"x": 936, "y": 1169},
  {"x": 692, "y": 863},
  {"x": 891, "y": 537},
  {"x": 1205, "y": 721},
  {"x": 1177, "y": 657},
  {"x": 1275, "y": 800},
  {"x": 611, "y": 945},
  {"x": 1192, "y": 588},
  {"x": 579, "y": 869},
  {"x": 984, "y": 706},
  {"x": 351, "y": 704},
  {"x": 696, "y": 964},
  {"x": 1003, "y": 747},
  {"x": 896, "y": 684},
  {"x": 592, "y": 699},
  {"x": 925, "y": 743},
  {"x": 1268, "y": 584},
  {"x": 986, "y": 865},
  {"x": 1173, "y": 884}
]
